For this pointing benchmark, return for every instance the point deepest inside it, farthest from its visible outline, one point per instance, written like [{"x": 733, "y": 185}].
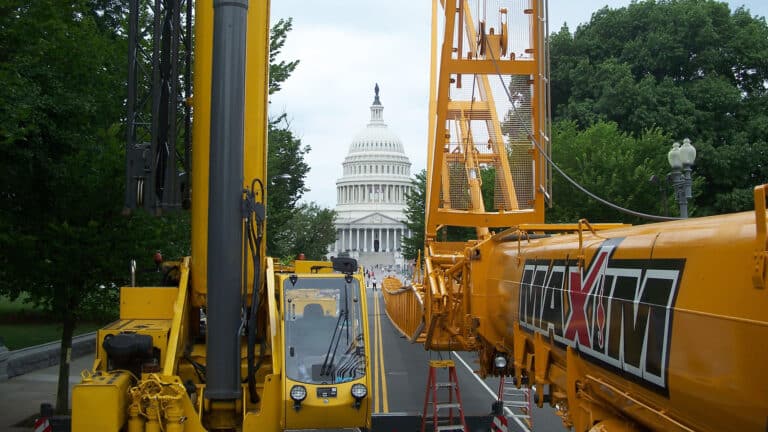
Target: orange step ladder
[{"x": 444, "y": 423}]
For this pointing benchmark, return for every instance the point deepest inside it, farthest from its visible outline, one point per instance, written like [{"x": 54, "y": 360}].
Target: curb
[{"x": 25, "y": 360}]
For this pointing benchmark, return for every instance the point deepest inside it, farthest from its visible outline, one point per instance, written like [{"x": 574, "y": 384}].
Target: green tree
[
  {"x": 286, "y": 168},
  {"x": 279, "y": 71},
  {"x": 415, "y": 213},
  {"x": 62, "y": 73},
  {"x": 308, "y": 233},
  {"x": 291, "y": 228},
  {"x": 691, "y": 68},
  {"x": 614, "y": 165},
  {"x": 415, "y": 209},
  {"x": 287, "y": 171}
]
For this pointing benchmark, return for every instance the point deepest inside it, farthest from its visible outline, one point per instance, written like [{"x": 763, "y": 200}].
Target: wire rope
[{"x": 561, "y": 172}]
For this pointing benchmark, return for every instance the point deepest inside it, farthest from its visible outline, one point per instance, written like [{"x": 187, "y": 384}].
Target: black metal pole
[{"x": 225, "y": 200}]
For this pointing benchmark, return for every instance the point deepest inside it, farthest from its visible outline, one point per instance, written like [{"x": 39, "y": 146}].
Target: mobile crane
[
  {"x": 232, "y": 341},
  {"x": 654, "y": 327},
  {"x": 619, "y": 328}
]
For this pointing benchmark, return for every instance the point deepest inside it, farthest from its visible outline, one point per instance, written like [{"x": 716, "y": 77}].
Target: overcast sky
[{"x": 345, "y": 47}]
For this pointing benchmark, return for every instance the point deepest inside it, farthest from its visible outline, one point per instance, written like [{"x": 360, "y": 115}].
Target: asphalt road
[{"x": 401, "y": 369}]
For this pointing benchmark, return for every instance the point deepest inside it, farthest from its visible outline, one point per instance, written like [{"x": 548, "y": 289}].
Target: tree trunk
[{"x": 62, "y": 394}]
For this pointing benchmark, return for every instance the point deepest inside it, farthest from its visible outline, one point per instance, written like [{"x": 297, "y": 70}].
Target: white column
[
  {"x": 388, "y": 248},
  {"x": 357, "y": 239},
  {"x": 365, "y": 239}
]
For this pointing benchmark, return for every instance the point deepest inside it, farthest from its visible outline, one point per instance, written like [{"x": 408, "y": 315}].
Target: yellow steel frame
[
  {"x": 255, "y": 133},
  {"x": 445, "y": 294},
  {"x": 443, "y": 110}
]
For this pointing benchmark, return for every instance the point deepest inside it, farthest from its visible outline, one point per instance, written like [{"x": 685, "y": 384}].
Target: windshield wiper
[{"x": 327, "y": 368}]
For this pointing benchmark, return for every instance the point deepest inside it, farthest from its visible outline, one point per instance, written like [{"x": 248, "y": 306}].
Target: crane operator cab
[{"x": 325, "y": 330}]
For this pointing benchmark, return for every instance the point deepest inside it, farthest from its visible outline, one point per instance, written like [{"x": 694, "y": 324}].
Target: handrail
[{"x": 759, "y": 276}]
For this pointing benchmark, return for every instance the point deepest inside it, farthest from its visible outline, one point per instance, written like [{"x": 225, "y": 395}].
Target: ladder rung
[
  {"x": 445, "y": 384},
  {"x": 516, "y": 404},
  {"x": 450, "y": 427},
  {"x": 447, "y": 405}
]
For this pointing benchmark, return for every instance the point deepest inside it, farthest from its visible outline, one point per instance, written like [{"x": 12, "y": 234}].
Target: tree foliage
[
  {"x": 279, "y": 71},
  {"x": 415, "y": 209},
  {"x": 286, "y": 171},
  {"x": 291, "y": 228},
  {"x": 688, "y": 68},
  {"x": 616, "y": 166},
  {"x": 307, "y": 232},
  {"x": 62, "y": 71}
]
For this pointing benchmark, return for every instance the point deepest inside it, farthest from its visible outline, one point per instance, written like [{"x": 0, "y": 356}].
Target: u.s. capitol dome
[{"x": 371, "y": 194}]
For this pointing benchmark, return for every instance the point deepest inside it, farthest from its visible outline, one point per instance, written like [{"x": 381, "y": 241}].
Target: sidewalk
[{"x": 21, "y": 396}]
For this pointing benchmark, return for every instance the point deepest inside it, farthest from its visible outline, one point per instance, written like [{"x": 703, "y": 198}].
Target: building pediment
[{"x": 375, "y": 219}]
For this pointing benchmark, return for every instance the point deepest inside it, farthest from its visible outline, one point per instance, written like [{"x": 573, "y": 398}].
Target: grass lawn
[
  {"x": 23, "y": 335},
  {"x": 21, "y": 325}
]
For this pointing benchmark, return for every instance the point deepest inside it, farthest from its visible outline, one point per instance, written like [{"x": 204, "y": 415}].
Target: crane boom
[{"x": 619, "y": 328}]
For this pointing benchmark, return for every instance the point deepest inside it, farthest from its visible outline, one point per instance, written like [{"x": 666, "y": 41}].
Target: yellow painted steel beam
[
  {"x": 477, "y": 110},
  {"x": 147, "y": 302},
  {"x": 201, "y": 133},
  {"x": 256, "y": 110},
  {"x": 178, "y": 324},
  {"x": 491, "y": 67},
  {"x": 493, "y": 123},
  {"x": 540, "y": 105},
  {"x": 488, "y": 219},
  {"x": 432, "y": 187},
  {"x": 436, "y": 145},
  {"x": 255, "y": 125},
  {"x": 256, "y": 92},
  {"x": 455, "y": 63},
  {"x": 472, "y": 170}
]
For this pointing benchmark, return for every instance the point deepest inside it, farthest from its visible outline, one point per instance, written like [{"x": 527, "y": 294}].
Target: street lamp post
[{"x": 681, "y": 160}]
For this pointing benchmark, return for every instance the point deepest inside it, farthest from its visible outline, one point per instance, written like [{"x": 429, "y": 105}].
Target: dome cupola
[{"x": 376, "y": 136}]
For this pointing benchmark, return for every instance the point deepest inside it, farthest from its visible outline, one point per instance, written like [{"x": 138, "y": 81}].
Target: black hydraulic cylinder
[{"x": 225, "y": 236}]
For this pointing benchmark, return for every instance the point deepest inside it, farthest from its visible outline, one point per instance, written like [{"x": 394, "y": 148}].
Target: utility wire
[{"x": 559, "y": 170}]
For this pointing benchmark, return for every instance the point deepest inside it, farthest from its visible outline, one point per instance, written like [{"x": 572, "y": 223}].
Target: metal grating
[
  {"x": 484, "y": 121},
  {"x": 505, "y": 125}
]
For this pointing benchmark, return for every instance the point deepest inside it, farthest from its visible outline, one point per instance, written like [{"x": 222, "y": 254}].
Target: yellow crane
[
  {"x": 653, "y": 327},
  {"x": 234, "y": 342},
  {"x": 619, "y": 328}
]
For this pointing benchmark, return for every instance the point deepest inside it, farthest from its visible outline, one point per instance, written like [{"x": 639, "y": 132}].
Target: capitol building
[{"x": 371, "y": 195}]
